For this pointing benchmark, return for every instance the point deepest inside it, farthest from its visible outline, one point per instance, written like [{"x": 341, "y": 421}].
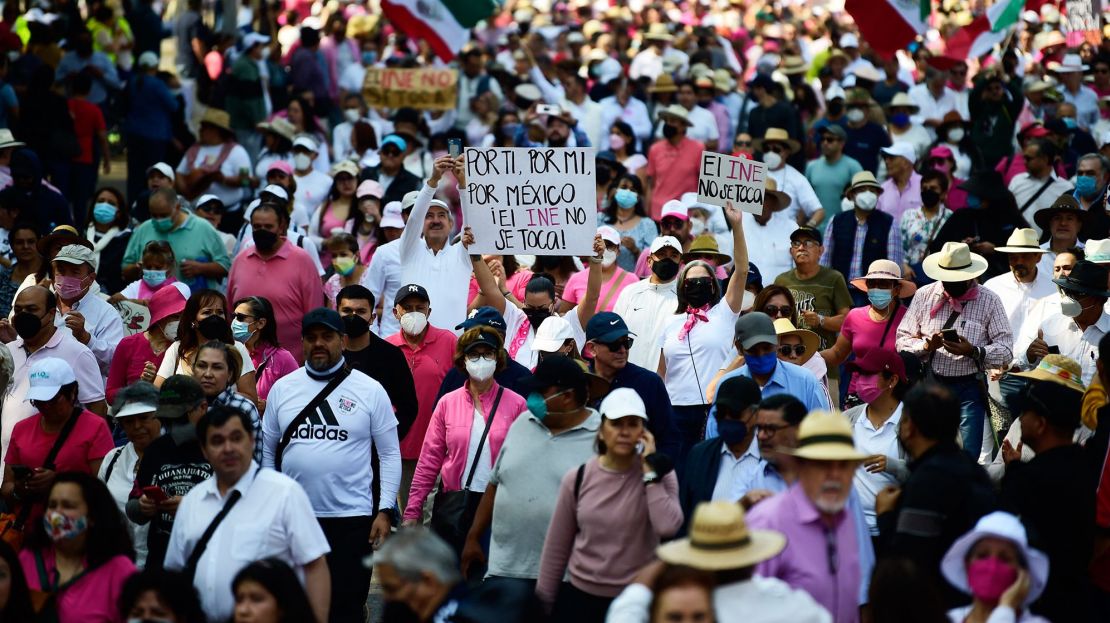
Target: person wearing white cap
[
  {"x": 901, "y": 191},
  {"x": 313, "y": 186},
  {"x": 1070, "y": 71},
  {"x": 91, "y": 319},
  {"x": 248, "y": 98},
  {"x": 647, "y": 304},
  {"x": 933, "y": 98},
  {"x": 211, "y": 209}
]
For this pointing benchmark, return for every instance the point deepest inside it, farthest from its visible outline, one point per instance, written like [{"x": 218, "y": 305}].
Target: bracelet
[
  {"x": 595, "y": 260},
  {"x": 506, "y": 293},
  {"x": 820, "y": 321}
]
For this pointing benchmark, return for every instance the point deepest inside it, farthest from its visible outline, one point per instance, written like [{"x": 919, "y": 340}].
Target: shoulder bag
[
  {"x": 198, "y": 550},
  {"x": 308, "y": 409}
]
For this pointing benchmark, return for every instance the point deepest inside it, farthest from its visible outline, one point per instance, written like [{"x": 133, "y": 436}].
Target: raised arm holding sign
[{"x": 724, "y": 179}]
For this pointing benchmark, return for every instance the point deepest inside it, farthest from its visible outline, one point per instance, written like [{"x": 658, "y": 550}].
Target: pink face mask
[
  {"x": 867, "y": 387},
  {"x": 616, "y": 141},
  {"x": 990, "y": 577},
  {"x": 69, "y": 288}
]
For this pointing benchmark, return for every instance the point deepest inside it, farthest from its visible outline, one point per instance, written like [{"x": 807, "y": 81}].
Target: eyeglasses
[
  {"x": 809, "y": 244},
  {"x": 243, "y": 317},
  {"x": 770, "y": 430},
  {"x": 475, "y": 357},
  {"x": 799, "y": 350},
  {"x": 773, "y": 311},
  {"x": 392, "y": 153},
  {"x": 618, "y": 345}
]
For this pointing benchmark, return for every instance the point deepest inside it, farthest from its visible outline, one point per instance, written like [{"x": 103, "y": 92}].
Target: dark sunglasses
[
  {"x": 784, "y": 310},
  {"x": 778, "y": 149},
  {"x": 392, "y": 153},
  {"x": 799, "y": 350},
  {"x": 743, "y": 143},
  {"x": 618, "y": 345},
  {"x": 243, "y": 317},
  {"x": 672, "y": 223}
]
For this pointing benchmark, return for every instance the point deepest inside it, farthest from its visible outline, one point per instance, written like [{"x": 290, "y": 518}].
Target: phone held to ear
[{"x": 639, "y": 447}]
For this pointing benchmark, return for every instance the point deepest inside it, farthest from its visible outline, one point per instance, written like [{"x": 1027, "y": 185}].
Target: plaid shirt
[
  {"x": 235, "y": 400},
  {"x": 983, "y": 323},
  {"x": 856, "y": 269}
]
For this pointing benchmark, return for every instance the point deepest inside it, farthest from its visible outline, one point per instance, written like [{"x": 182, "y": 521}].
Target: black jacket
[
  {"x": 385, "y": 363},
  {"x": 703, "y": 462},
  {"x": 990, "y": 224},
  {"x": 404, "y": 183}
]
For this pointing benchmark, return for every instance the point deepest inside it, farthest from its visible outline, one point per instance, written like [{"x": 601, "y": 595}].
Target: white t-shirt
[
  {"x": 710, "y": 343},
  {"x": 312, "y": 190},
  {"x": 237, "y": 159},
  {"x": 646, "y": 307},
  {"x": 485, "y": 462},
  {"x": 527, "y": 356},
  {"x": 171, "y": 366},
  {"x": 329, "y": 455},
  {"x": 131, "y": 290}
]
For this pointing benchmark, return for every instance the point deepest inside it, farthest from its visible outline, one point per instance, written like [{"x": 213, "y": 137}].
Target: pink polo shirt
[
  {"x": 288, "y": 279},
  {"x": 93, "y": 597},
  {"x": 575, "y": 288},
  {"x": 895, "y": 202},
  {"x": 429, "y": 363},
  {"x": 674, "y": 170}
]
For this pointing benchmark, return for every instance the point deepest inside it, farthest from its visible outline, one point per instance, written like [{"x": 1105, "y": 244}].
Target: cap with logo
[
  {"x": 412, "y": 289},
  {"x": 47, "y": 376},
  {"x": 606, "y": 327},
  {"x": 323, "y": 317},
  {"x": 180, "y": 394},
  {"x": 662, "y": 242},
  {"x": 484, "y": 316}
]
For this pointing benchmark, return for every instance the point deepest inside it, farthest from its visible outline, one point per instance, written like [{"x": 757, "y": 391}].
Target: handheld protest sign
[
  {"x": 723, "y": 179},
  {"x": 531, "y": 201},
  {"x": 423, "y": 88}
]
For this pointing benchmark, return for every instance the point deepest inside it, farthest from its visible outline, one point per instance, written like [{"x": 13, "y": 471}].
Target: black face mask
[
  {"x": 265, "y": 240},
  {"x": 929, "y": 197},
  {"x": 956, "y": 289},
  {"x": 665, "y": 269},
  {"x": 835, "y": 108},
  {"x": 213, "y": 328},
  {"x": 604, "y": 176},
  {"x": 698, "y": 291},
  {"x": 669, "y": 131},
  {"x": 355, "y": 325},
  {"x": 26, "y": 324},
  {"x": 536, "y": 316}
]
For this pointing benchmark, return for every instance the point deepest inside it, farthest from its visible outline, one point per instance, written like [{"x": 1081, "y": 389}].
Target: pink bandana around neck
[{"x": 694, "y": 315}]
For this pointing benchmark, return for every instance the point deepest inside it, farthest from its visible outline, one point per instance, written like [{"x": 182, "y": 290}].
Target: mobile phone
[
  {"x": 548, "y": 109},
  {"x": 639, "y": 447},
  {"x": 22, "y": 472},
  {"x": 454, "y": 147},
  {"x": 1054, "y": 350},
  {"x": 155, "y": 493},
  {"x": 950, "y": 335}
]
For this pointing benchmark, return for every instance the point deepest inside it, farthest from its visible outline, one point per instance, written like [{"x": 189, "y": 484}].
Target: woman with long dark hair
[
  {"x": 109, "y": 230},
  {"x": 254, "y": 325},
  {"x": 15, "y": 598},
  {"x": 302, "y": 114},
  {"x": 622, "y": 142},
  {"x": 336, "y": 211},
  {"x": 22, "y": 238},
  {"x": 626, "y": 214},
  {"x": 268, "y": 591}
]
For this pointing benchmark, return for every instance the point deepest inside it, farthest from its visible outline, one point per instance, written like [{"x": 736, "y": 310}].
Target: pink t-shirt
[
  {"x": 675, "y": 171},
  {"x": 575, "y": 288},
  {"x": 131, "y": 356},
  {"x": 863, "y": 333},
  {"x": 429, "y": 364},
  {"x": 278, "y": 363},
  {"x": 93, "y": 597},
  {"x": 516, "y": 284}
]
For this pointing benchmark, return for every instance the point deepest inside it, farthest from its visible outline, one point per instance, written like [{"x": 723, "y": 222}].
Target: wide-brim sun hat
[
  {"x": 998, "y": 525},
  {"x": 1085, "y": 279},
  {"x": 776, "y": 135},
  {"x": 1059, "y": 369},
  {"x": 1023, "y": 240},
  {"x": 810, "y": 340},
  {"x": 886, "y": 270},
  {"x": 954, "y": 262},
  {"x": 678, "y": 113},
  {"x": 166, "y": 302},
  {"x": 705, "y": 245},
  {"x": 1064, "y": 203},
  {"x": 825, "y": 436},
  {"x": 720, "y": 539}
]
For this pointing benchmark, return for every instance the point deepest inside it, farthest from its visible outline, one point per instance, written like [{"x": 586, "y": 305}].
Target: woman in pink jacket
[{"x": 459, "y": 422}]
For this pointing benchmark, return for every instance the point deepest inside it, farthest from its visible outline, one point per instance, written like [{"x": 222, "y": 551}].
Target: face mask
[
  {"x": 955, "y": 135},
  {"x": 26, "y": 325},
  {"x": 732, "y": 431},
  {"x": 855, "y": 115},
  {"x": 355, "y": 326},
  {"x": 344, "y": 265},
  {"x": 669, "y": 131},
  {"x": 625, "y": 198},
  {"x": 665, "y": 270},
  {"x": 900, "y": 120},
  {"x": 302, "y": 162},
  {"x": 104, "y": 213},
  {"x": 1085, "y": 186},
  {"x": 761, "y": 364},
  {"x": 241, "y": 331},
  {"x": 536, "y": 316},
  {"x": 879, "y": 298},
  {"x": 537, "y": 404},
  {"x": 988, "y": 578},
  {"x": 1070, "y": 307},
  {"x": 698, "y": 291},
  {"x": 867, "y": 387},
  {"x": 414, "y": 323},
  {"x": 154, "y": 278},
  {"x": 509, "y": 129},
  {"x": 482, "y": 369},
  {"x": 866, "y": 200},
  {"x": 772, "y": 160},
  {"x": 608, "y": 258},
  {"x": 956, "y": 289},
  {"x": 212, "y": 327},
  {"x": 697, "y": 226},
  {"x": 69, "y": 288},
  {"x": 369, "y": 58},
  {"x": 170, "y": 330},
  {"x": 265, "y": 240},
  {"x": 60, "y": 527},
  {"x": 835, "y": 108},
  {"x": 929, "y": 197},
  {"x": 846, "y": 205},
  {"x": 1070, "y": 123},
  {"x": 616, "y": 142},
  {"x": 974, "y": 202},
  {"x": 163, "y": 225},
  {"x": 352, "y": 115}
]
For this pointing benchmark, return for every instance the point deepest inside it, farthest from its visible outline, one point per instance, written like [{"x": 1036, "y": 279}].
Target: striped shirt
[
  {"x": 233, "y": 399},
  {"x": 983, "y": 322}
]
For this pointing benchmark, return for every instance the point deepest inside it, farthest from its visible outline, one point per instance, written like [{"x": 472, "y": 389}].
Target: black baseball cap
[
  {"x": 808, "y": 232},
  {"x": 738, "y": 393},
  {"x": 178, "y": 395},
  {"x": 483, "y": 316},
  {"x": 484, "y": 339},
  {"x": 412, "y": 289},
  {"x": 606, "y": 327},
  {"x": 555, "y": 371},
  {"x": 323, "y": 317}
]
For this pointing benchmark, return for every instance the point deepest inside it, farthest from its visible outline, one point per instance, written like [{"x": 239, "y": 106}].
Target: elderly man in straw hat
[
  {"x": 777, "y": 146},
  {"x": 958, "y": 329},
  {"x": 823, "y": 555},
  {"x": 721, "y": 543}
]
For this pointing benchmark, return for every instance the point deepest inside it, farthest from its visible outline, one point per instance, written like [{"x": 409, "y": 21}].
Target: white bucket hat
[{"x": 1003, "y": 526}]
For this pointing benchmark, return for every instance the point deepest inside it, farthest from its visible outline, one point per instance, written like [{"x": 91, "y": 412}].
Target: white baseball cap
[
  {"x": 163, "y": 168},
  {"x": 277, "y": 191},
  {"x": 306, "y": 142},
  {"x": 623, "y": 402},
  {"x": 665, "y": 241},
  {"x": 253, "y": 38},
  {"x": 554, "y": 331},
  {"x": 849, "y": 40},
  {"x": 901, "y": 148},
  {"x": 76, "y": 254},
  {"x": 391, "y": 215},
  {"x": 610, "y": 235},
  {"x": 48, "y": 376}
]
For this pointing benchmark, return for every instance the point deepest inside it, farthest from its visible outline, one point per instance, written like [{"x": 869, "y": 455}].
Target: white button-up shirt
[
  {"x": 272, "y": 519},
  {"x": 1023, "y": 187},
  {"x": 103, "y": 323},
  {"x": 1062, "y": 332},
  {"x": 802, "y": 197},
  {"x": 737, "y": 476},
  {"x": 769, "y": 245},
  {"x": 872, "y": 441},
  {"x": 445, "y": 275},
  {"x": 762, "y": 600},
  {"x": 645, "y": 308},
  {"x": 1018, "y": 298},
  {"x": 1048, "y": 260},
  {"x": 930, "y": 107},
  {"x": 635, "y": 114}
]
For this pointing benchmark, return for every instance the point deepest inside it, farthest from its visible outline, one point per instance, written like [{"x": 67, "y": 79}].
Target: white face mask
[
  {"x": 846, "y": 205},
  {"x": 855, "y": 115},
  {"x": 352, "y": 114},
  {"x": 608, "y": 257},
  {"x": 482, "y": 369},
  {"x": 955, "y": 135},
  {"x": 414, "y": 323},
  {"x": 1070, "y": 307},
  {"x": 772, "y": 160},
  {"x": 170, "y": 330},
  {"x": 866, "y": 200},
  {"x": 697, "y": 226},
  {"x": 302, "y": 162}
]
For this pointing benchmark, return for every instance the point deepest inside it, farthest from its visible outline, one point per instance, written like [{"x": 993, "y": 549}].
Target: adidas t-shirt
[{"x": 329, "y": 455}]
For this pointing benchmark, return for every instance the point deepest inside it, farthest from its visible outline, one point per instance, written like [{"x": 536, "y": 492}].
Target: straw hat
[
  {"x": 902, "y": 100},
  {"x": 886, "y": 270},
  {"x": 792, "y": 65},
  {"x": 658, "y": 32},
  {"x": 826, "y": 436},
  {"x": 705, "y": 244},
  {"x": 217, "y": 118},
  {"x": 663, "y": 84},
  {"x": 776, "y": 135},
  {"x": 677, "y": 112},
  {"x": 864, "y": 179},
  {"x": 998, "y": 525},
  {"x": 1057, "y": 369},
  {"x": 771, "y": 187},
  {"x": 810, "y": 340},
  {"x": 1072, "y": 63},
  {"x": 1022, "y": 241},
  {"x": 954, "y": 262},
  {"x": 720, "y": 539}
]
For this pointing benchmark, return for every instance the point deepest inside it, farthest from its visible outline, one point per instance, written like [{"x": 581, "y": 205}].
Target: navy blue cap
[
  {"x": 754, "y": 276},
  {"x": 412, "y": 289},
  {"x": 324, "y": 317},
  {"x": 484, "y": 339},
  {"x": 606, "y": 327},
  {"x": 483, "y": 316}
]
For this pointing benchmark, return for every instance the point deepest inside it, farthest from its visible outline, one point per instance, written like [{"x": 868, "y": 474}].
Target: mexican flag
[
  {"x": 985, "y": 31},
  {"x": 889, "y": 25},
  {"x": 444, "y": 24}
]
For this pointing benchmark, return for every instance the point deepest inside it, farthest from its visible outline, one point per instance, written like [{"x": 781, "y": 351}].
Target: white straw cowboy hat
[
  {"x": 888, "y": 271},
  {"x": 1022, "y": 241},
  {"x": 678, "y": 113},
  {"x": 826, "y": 436},
  {"x": 954, "y": 262},
  {"x": 720, "y": 539}
]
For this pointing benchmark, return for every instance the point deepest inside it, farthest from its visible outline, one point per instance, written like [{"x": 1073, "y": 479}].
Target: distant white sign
[{"x": 725, "y": 179}]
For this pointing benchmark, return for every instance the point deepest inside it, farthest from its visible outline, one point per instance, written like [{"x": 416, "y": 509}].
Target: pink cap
[
  {"x": 370, "y": 188},
  {"x": 280, "y": 165},
  {"x": 610, "y": 235},
  {"x": 940, "y": 151},
  {"x": 166, "y": 302}
]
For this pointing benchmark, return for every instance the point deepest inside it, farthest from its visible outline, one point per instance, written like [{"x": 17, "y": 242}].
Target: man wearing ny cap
[
  {"x": 328, "y": 452},
  {"x": 91, "y": 319},
  {"x": 646, "y": 304},
  {"x": 514, "y": 373},
  {"x": 202, "y": 259}
]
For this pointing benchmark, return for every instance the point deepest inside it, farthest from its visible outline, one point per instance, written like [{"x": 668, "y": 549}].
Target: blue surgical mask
[
  {"x": 1070, "y": 122},
  {"x": 762, "y": 364},
  {"x": 625, "y": 198},
  {"x": 369, "y": 57},
  {"x": 900, "y": 119},
  {"x": 241, "y": 331},
  {"x": 879, "y": 298},
  {"x": 732, "y": 431},
  {"x": 537, "y": 404},
  {"x": 974, "y": 202},
  {"x": 104, "y": 212},
  {"x": 1085, "y": 186},
  {"x": 154, "y": 278},
  {"x": 509, "y": 129}
]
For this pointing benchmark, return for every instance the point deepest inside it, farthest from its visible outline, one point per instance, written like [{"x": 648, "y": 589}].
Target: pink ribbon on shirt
[
  {"x": 519, "y": 339},
  {"x": 957, "y": 302},
  {"x": 694, "y": 315}
]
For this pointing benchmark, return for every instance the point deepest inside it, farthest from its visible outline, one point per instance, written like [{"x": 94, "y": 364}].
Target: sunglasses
[
  {"x": 624, "y": 343},
  {"x": 799, "y": 350},
  {"x": 672, "y": 223},
  {"x": 743, "y": 143},
  {"x": 243, "y": 317},
  {"x": 778, "y": 149},
  {"x": 773, "y": 311},
  {"x": 392, "y": 153},
  {"x": 809, "y": 244}
]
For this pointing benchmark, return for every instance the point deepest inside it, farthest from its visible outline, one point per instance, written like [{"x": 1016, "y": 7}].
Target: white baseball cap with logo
[
  {"x": 554, "y": 331},
  {"x": 665, "y": 241},
  {"x": 48, "y": 376}
]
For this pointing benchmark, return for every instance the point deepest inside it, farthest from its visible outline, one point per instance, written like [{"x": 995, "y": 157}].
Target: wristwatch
[
  {"x": 651, "y": 478},
  {"x": 391, "y": 513}
]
